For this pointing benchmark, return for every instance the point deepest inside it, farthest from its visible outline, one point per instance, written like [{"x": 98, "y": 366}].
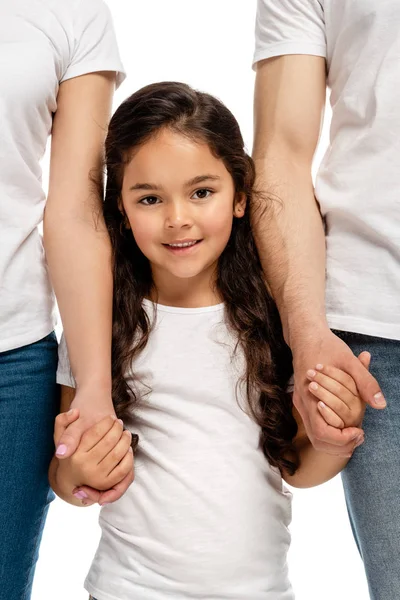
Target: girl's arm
[
  {"x": 341, "y": 406},
  {"x": 77, "y": 244},
  {"x": 315, "y": 467},
  {"x": 102, "y": 459}
]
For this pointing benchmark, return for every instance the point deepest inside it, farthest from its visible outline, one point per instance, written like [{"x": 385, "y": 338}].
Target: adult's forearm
[
  {"x": 79, "y": 258},
  {"x": 76, "y": 242},
  {"x": 289, "y": 104},
  {"x": 291, "y": 241}
]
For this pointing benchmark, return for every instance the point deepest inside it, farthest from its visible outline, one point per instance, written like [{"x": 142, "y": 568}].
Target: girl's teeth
[{"x": 184, "y": 245}]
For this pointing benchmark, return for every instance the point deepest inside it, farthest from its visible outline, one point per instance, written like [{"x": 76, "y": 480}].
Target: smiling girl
[{"x": 199, "y": 370}]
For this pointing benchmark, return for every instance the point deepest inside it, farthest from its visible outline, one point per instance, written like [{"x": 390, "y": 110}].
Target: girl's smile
[{"x": 182, "y": 247}]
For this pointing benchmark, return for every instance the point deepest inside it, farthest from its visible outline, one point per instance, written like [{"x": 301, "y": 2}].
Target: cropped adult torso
[
  {"x": 206, "y": 517},
  {"x": 42, "y": 42},
  {"x": 358, "y": 184}
]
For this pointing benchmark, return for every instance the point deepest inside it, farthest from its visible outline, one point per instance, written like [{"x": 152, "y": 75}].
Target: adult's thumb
[
  {"x": 365, "y": 359},
  {"x": 69, "y": 441},
  {"x": 367, "y": 385}
]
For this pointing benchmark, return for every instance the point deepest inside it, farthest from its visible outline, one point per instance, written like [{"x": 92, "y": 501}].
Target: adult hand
[
  {"x": 325, "y": 348},
  {"x": 93, "y": 405},
  {"x": 88, "y": 409},
  {"x": 89, "y": 495}
]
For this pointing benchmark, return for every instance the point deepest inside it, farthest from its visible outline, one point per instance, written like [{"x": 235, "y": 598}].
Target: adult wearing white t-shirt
[
  {"x": 59, "y": 64},
  {"x": 302, "y": 47}
]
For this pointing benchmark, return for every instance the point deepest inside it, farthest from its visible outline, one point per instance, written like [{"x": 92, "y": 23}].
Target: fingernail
[
  {"x": 313, "y": 385},
  {"x": 120, "y": 421},
  {"x": 319, "y": 367},
  {"x": 359, "y": 441},
  {"x": 114, "y": 418},
  {"x": 81, "y": 495},
  {"x": 61, "y": 450},
  {"x": 311, "y": 373},
  {"x": 71, "y": 410},
  {"x": 379, "y": 399}
]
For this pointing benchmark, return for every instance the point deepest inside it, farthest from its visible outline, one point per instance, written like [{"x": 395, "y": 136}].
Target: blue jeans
[
  {"x": 371, "y": 479},
  {"x": 28, "y": 407}
]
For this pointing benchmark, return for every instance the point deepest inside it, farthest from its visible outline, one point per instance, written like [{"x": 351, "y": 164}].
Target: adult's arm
[
  {"x": 289, "y": 103},
  {"x": 77, "y": 245}
]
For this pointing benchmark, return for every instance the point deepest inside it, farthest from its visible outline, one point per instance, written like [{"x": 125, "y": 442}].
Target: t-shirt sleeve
[
  {"x": 64, "y": 374},
  {"x": 289, "y": 27},
  {"x": 94, "y": 45}
]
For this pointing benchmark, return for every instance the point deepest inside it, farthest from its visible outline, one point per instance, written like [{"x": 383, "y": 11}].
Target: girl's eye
[
  {"x": 202, "y": 194},
  {"x": 149, "y": 201}
]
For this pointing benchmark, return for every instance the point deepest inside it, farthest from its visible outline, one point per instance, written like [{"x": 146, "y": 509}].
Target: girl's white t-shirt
[
  {"x": 358, "y": 183},
  {"x": 43, "y": 43},
  {"x": 207, "y": 516}
]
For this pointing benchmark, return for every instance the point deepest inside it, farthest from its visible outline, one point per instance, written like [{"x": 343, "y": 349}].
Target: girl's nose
[{"x": 178, "y": 215}]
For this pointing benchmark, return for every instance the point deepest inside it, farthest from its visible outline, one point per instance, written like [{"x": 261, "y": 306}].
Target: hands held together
[
  {"x": 332, "y": 397},
  {"x": 101, "y": 468}
]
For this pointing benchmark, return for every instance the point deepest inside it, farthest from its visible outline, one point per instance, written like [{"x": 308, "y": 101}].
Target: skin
[
  {"x": 78, "y": 248},
  {"x": 163, "y": 205},
  {"x": 289, "y": 103},
  {"x": 174, "y": 189}
]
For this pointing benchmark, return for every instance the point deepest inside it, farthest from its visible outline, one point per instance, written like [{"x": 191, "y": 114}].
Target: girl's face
[{"x": 180, "y": 202}]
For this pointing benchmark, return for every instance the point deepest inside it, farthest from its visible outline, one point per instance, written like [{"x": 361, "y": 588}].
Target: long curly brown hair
[{"x": 250, "y": 310}]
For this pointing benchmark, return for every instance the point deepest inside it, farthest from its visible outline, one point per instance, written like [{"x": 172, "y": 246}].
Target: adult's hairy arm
[{"x": 289, "y": 104}]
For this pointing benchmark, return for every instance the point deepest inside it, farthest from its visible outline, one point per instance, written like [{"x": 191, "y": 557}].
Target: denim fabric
[
  {"x": 28, "y": 406},
  {"x": 371, "y": 479}
]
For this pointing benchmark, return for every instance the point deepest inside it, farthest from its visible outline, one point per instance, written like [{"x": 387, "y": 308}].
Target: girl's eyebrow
[
  {"x": 145, "y": 186},
  {"x": 201, "y": 179},
  {"x": 194, "y": 181}
]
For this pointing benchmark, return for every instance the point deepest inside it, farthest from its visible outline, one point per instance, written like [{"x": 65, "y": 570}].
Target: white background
[{"x": 208, "y": 44}]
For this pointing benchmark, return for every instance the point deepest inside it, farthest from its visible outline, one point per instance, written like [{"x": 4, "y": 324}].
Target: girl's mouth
[{"x": 182, "y": 247}]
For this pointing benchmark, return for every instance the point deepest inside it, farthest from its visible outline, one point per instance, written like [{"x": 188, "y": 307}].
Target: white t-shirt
[
  {"x": 358, "y": 184},
  {"x": 42, "y": 43},
  {"x": 207, "y": 516}
]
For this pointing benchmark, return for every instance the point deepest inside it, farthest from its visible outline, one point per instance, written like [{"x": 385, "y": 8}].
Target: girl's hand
[
  {"x": 91, "y": 496},
  {"x": 339, "y": 402},
  {"x": 102, "y": 460}
]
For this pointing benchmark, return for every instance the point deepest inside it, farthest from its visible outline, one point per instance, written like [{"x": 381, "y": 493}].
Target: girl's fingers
[
  {"x": 86, "y": 495},
  {"x": 107, "y": 443},
  {"x": 330, "y": 417},
  {"x": 343, "y": 381},
  {"x": 331, "y": 400},
  {"x": 118, "y": 490},
  {"x": 121, "y": 470},
  {"x": 94, "y": 434},
  {"x": 62, "y": 421},
  {"x": 116, "y": 454}
]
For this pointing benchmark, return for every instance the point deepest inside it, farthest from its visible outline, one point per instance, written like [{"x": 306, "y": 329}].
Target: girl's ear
[
  {"x": 240, "y": 205},
  {"x": 121, "y": 209}
]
